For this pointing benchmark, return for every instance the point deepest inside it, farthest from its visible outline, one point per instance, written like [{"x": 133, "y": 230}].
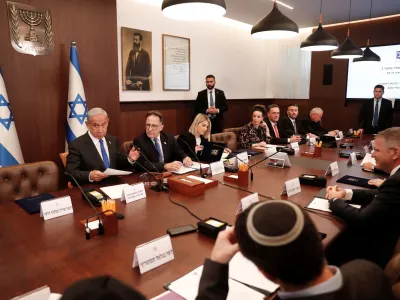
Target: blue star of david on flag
[
  {"x": 7, "y": 121},
  {"x": 398, "y": 54},
  {"x": 73, "y": 114}
]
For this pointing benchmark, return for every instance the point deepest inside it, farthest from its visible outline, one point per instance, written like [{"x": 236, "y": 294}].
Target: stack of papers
[
  {"x": 196, "y": 166},
  {"x": 183, "y": 170},
  {"x": 114, "y": 172}
]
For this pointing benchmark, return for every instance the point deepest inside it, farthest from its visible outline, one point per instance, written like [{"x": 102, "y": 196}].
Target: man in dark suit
[
  {"x": 161, "y": 149},
  {"x": 280, "y": 238},
  {"x": 212, "y": 102},
  {"x": 92, "y": 153},
  {"x": 374, "y": 229},
  {"x": 313, "y": 124},
  {"x": 289, "y": 123},
  {"x": 278, "y": 134},
  {"x": 377, "y": 113},
  {"x": 138, "y": 67}
]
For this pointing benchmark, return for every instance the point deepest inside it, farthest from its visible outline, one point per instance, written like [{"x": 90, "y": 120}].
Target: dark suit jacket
[
  {"x": 140, "y": 67},
  {"x": 283, "y": 137},
  {"x": 83, "y": 157},
  {"x": 373, "y": 230},
  {"x": 190, "y": 140},
  {"x": 171, "y": 151},
  {"x": 201, "y": 105},
  {"x": 362, "y": 280},
  {"x": 367, "y": 115},
  {"x": 287, "y": 126},
  {"x": 309, "y": 126}
]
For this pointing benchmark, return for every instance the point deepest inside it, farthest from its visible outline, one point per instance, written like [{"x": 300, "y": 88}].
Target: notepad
[
  {"x": 32, "y": 204},
  {"x": 323, "y": 204},
  {"x": 183, "y": 170}
]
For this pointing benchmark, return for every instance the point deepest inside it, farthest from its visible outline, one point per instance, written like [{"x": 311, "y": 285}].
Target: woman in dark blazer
[{"x": 199, "y": 132}]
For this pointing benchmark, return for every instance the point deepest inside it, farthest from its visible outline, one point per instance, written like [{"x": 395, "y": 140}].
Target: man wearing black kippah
[{"x": 281, "y": 240}]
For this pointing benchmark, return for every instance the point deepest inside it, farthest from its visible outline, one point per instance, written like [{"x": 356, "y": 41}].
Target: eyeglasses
[{"x": 152, "y": 126}]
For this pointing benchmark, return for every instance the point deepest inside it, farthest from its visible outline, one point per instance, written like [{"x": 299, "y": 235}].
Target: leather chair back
[
  {"x": 127, "y": 146},
  {"x": 392, "y": 272},
  {"x": 27, "y": 180},
  {"x": 236, "y": 131},
  {"x": 63, "y": 157},
  {"x": 228, "y": 138}
]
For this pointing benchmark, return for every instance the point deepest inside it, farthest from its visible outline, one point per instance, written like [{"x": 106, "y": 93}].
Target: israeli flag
[
  {"x": 77, "y": 108},
  {"x": 10, "y": 150}
]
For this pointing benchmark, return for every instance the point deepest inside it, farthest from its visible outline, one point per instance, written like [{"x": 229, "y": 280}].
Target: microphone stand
[
  {"x": 264, "y": 159},
  {"x": 201, "y": 170},
  {"x": 119, "y": 215}
]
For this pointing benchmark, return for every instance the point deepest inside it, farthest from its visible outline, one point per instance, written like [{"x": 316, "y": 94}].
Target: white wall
[{"x": 244, "y": 67}]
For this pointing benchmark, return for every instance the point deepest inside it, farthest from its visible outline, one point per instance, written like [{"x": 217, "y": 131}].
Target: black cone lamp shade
[
  {"x": 319, "y": 40},
  {"x": 369, "y": 56},
  {"x": 193, "y": 10},
  {"x": 275, "y": 25},
  {"x": 347, "y": 50}
]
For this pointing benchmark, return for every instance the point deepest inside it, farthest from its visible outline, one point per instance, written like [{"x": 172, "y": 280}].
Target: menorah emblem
[
  {"x": 31, "y": 29},
  {"x": 32, "y": 19}
]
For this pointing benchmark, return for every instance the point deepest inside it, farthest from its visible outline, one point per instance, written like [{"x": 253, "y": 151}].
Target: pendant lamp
[
  {"x": 319, "y": 40},
  {"x": 193, "y": 10},
  {"x": 369, "y": 55},
  {"x": 275, "y": 25},
  {"x": 348, "y": 49}
]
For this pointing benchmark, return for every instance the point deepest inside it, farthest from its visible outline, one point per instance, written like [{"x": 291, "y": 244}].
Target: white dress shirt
[
  {"x": 272, "y": 123},
  {"x": 96, "y": 143},
  {"x": 379, "y": 108}
]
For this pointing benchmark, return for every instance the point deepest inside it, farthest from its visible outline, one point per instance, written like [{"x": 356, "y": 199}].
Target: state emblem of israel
[{"x": 31, "y": 29}]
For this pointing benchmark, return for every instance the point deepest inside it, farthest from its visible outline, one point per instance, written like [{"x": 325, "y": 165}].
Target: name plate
[
  {"x": 333, "y": 169},
  {"x": 291, "y": 187},
  {"x": 133, "y": 193},
  {"x": 38, "y": 294},
  {"x": 366, "y": 149},
  {"x": 243, "y": 158},
  {"x": 55, "y": 208},
  {"x": 153, "y": 254},
  {"x": 313, "y": 141},
  {"x": 246, "y": 202},
  {"x": 353, "y": 158},
  {"x": 275, "y": 162},
  {"x": 340, "y": 134},
  {"x": 372, "y": 144},
  {"x": 295, "y": 146},
  {"x": 217, "y": 167}
]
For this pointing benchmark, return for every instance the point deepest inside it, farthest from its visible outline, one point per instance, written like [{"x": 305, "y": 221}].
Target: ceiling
[{"x": 306, "y": 12}]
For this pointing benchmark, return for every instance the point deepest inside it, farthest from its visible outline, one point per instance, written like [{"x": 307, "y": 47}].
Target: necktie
[
  {"x": 104, "y": 154},
  {"x": 276, "y": 131},
  {"x": 294, "y": 125},
  {"x": 157, "y": 145},
  {"x": 376, "y": 114},
  {"x": 211, "y": 116}
]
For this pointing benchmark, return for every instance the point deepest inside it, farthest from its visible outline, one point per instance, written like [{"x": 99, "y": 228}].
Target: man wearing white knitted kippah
[{"x": 281, "y": 240}]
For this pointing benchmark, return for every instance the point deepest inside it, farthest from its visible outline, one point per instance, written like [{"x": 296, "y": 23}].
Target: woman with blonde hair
[{"x": 199, "y": 133}]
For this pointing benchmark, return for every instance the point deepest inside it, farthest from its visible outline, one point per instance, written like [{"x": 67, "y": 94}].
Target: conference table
[{"x": 35, "y": 252}]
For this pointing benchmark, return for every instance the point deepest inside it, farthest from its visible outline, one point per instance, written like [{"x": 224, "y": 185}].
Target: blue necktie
[
  {"x": 157, "y": 145},
  {"x": 104, "y": 154},
  {"x": 211, "y": 116},
  {"x": 376, "y": 115}
]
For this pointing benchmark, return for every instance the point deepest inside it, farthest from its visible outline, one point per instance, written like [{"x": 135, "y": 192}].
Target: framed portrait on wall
[
  {"x": 136, "y": 48},
  {"x": 176, "y": 63}
]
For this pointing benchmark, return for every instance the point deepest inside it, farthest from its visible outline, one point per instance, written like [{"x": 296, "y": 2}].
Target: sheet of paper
[
  {"x": 168, "y": 295},
  {"x": 200, "y": 179},
  {"x": 38, "y": 294},
  {"x": 243, "y": 270},
  {"x": 183, "y": 170},
  {"x": 224, "y": 156},
  {"x": 196, "y": 166},
  {"x": 188, "y": 286},
  {"x": 234, "y": 176},
  {"x": 368, "y": 158},
  {"x": 114, "y": 172},
  {"x": 323, "y": 204},
  {"x": 114, "y": 191}
]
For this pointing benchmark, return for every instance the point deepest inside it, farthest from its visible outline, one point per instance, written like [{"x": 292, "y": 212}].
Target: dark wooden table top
[{"x": 55, "y": 252}]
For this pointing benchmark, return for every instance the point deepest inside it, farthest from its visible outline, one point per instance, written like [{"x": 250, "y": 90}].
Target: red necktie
[{"x": 276, "y": 131}]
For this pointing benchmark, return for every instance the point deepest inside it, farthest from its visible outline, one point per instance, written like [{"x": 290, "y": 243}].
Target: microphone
[
  {"x": 160, "y": 184},
  {"x": 118, "y": 215},
  {"x": 193, "y": 152},
  {"x": 264, "y": 159}
]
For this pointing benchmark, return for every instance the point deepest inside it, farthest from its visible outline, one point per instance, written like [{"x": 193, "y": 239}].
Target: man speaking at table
[
  {"x": 92, "y": 153},
  {"x": 161, "y": 149},
  {"x": 374, "y": 229}
]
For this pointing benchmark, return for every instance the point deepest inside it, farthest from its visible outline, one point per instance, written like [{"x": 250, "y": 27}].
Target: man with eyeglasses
[
  {"x": 373, "y": 230},
  {"x": 313, "y": 124},
  {"x": 92, "y": 153},
  {"x": 161, "y": 149}
]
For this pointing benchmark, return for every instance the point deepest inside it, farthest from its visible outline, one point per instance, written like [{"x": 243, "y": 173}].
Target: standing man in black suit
[
  {"x": 374, "y": 229},
  {"x": 212, "y": 102},
  {"x": 376, "y": 114},
  {"x": 160, "y": 148},
  {"x": 92, "y": 153},
  {"x": 278, "y": 134}
]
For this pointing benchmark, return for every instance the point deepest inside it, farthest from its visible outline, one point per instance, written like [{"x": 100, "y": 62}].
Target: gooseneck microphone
[
  {"x": 118, "y": 215},
  {"x": 160, "y": 184},
  {"x": 193, "y": 152},
  {"x": 264, "y": 159}
]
